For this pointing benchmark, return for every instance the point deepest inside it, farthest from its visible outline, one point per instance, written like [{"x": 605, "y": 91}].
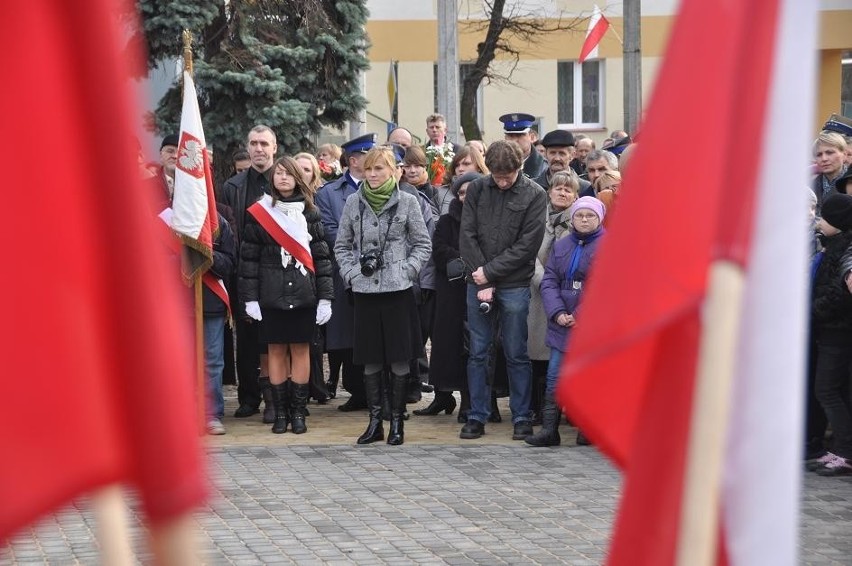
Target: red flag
[
  {"x": 629, "y": 376},
  {"x": 598, "y": 25},
  {"x": 194, "y": 202},
  {"x": 98, "y": 372}
]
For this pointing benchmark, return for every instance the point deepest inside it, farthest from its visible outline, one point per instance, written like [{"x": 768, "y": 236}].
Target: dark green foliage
[{"x": 290, "y": 64}]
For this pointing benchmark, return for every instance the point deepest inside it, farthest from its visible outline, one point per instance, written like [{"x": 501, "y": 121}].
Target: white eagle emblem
[{"x": 191, "y": 157}]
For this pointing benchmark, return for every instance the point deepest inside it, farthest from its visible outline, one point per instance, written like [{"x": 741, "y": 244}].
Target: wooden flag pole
[{"x": 697, "y": 540}]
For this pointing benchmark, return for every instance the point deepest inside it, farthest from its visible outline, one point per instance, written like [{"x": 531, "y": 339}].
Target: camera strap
[{"x": 391, "y": 211}]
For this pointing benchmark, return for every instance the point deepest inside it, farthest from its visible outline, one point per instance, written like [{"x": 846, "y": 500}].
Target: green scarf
[{"x": 377, "y": 197}]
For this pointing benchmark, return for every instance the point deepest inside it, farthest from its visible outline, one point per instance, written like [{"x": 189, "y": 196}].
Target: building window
[{"x": 579, "y": 94}]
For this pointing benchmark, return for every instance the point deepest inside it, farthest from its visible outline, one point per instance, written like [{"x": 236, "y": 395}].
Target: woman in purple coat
[{"x": 565, "y": 275}]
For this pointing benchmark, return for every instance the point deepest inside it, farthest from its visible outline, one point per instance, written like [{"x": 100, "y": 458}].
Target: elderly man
[
  {"x": 559, "y": 151},
  {"x": 401, "y": 136},
  {"x": 597, "y": 162},
  {"x": 502, "y": 229},
  {"x": 516, "y": 128},
  {"x": 583, "y": 144}
]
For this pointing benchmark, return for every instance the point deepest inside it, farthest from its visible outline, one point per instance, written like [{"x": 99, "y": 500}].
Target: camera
[
  {"x": 484, "y": 307},
  {"x": 370, "y": 263}
]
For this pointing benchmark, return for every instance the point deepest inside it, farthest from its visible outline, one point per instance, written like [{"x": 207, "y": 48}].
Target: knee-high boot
[
  {"x": 373, "y": 392},
  {"x": 299, "y": 393},
  {"x": 281, "y": 402},
  {"x": 399, "y": 392},
  {"x": 548, "y": 435}
]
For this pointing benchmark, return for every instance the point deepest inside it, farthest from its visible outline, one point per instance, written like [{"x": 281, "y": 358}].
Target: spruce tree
[{"x": 290, "y": 64}]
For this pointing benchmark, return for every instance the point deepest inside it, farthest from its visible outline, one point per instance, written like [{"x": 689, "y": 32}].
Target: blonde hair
[
  {"x": 331, "y": 148},
  {"x": 607, "y": 178},
  {"x": 831, "y": 139},
  {"x": 381, "y": 154},
  {"x": 316, "y": 179}
]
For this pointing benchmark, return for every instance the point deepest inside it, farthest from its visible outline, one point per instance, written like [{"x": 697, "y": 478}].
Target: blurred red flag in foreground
[
  {"x": 97, "y": 359},
  {"x": 630, "y": 377}
]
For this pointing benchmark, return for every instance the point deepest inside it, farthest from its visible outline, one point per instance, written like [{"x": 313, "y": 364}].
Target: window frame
[{"x": 578, "y": 95}]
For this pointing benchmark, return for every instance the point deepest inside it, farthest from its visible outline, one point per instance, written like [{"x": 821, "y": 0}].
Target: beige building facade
[{"x": 548, "y": 82}]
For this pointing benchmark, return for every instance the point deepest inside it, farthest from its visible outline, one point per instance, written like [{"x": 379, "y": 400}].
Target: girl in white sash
[{"x": 285, "y": 281}]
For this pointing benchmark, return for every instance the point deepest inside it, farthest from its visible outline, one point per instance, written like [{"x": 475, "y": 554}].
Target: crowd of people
[{"x": 366, "y": 252}]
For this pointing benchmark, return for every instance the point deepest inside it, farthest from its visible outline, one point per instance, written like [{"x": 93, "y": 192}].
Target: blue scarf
[{"x": 580, "y": 241}]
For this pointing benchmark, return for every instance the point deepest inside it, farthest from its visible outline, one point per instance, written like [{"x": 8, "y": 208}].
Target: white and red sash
[
  {"x": 213, "y": 283},
  {"x": 284, "y": 230}
]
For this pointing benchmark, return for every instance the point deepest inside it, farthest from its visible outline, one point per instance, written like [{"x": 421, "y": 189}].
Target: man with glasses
[{"x": 501, "y": 231}]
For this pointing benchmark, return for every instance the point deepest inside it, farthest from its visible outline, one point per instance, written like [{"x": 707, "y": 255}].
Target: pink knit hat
[{"x": 590, "y": 203}]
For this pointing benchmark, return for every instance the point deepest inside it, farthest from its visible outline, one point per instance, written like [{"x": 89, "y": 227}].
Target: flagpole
[{"x": 700, "y": 504}]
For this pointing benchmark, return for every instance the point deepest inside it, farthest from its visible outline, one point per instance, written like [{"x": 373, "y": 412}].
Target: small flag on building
[{"x": 598, "y": 25}]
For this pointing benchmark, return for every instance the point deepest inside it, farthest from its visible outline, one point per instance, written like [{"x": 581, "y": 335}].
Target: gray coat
[
  {"x": 555, "y": 228},
  {"x": 407, "y": 249}
]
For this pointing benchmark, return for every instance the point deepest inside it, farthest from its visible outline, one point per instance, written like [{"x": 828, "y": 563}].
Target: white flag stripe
[
  {"x": 190, "y": 196},
  {"x": 294, "y": 229},
  {"x": 593, "y": 21},
  {"x": 763, "y": 463}
]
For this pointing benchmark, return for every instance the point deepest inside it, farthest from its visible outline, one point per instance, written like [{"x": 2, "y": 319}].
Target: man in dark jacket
[
  {"x": 240, "y": 192},
  {"x": 559, "y": 151},
  {"x": 501, "y": 231},
  {"x": 215, "y": 314}
]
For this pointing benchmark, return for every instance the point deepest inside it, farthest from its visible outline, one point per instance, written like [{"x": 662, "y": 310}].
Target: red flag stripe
[
  {"x": 594, "y": 37},
  {"x": 218, "y": 288},
  {"x": 281, "y": 236}
]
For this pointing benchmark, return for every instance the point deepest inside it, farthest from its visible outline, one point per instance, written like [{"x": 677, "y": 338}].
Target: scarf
[
  {"x": 377, "y": 197},
  {"x": 294, "y": 211},
  {"x": 581, "y": 241}
]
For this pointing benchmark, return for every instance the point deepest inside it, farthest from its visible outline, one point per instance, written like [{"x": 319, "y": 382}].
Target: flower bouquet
[
  {"x": 438, "y": 158},
  {"x": 330, "y": 171}
]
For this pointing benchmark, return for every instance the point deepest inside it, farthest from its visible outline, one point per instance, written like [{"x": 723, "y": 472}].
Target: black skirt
[
  {"x": 287, "y": 327},
  {"x": 387, "y": 328}
]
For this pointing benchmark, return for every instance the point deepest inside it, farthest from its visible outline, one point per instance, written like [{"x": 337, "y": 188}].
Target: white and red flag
[
  {"x": 598, "y": 26},
  {"x": 289, "y": 233},
  {"x": 701, "y": 410},
  {"x": 194, "y": 202}
]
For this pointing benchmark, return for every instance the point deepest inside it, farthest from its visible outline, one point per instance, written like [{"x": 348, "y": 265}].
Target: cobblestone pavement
[{"x": 282, "y": 499}]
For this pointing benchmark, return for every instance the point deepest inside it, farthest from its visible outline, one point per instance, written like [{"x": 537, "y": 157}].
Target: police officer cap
[
  {"x": 517, "y": 123},
  {"x": 170, "y": 140},
  {"x": 558, "y": 138},
  {"x": 361, "y": 144},
  {"x": 839, "y": 124}
]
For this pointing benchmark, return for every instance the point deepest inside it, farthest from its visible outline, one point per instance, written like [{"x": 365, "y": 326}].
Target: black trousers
[
  {"x": 248, "y": 364},
  {"x": 353, "y": 375},
  {"x": 832, "y": 391},
  {"x": 816, "y": 422}
]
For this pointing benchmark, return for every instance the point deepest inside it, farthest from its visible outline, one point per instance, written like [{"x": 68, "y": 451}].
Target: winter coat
[
  {"x": 831, "y": 310},
  {"x": 330, "y": 200},
  {"x": 560, "y": 294},
  {"x": 502, "y": 230},
  {"x": 534, "y": 164},
  {"x": 237, "y": 195},
  {"x": 555, "y": 228},
  {"x": 397, "y": 233},
  {"x": 263, "y": 277},
  {"x": 224, "y": 260},
  {"x": 448, "y": 365},
  {"x": 443, "y": 197},
  {"x": 426, "y": 279}
]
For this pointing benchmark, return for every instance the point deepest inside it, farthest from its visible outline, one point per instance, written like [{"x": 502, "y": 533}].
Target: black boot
[
  {"x": 413, "y": 392},
  {"x": 281, "y": 402},
  {"x": 299, "y": 393},
  {"x": 399, "y": 392},
  {"x": 464, "y": 408},
  {"x": 266, "y": 393},
  {"x": 373, "y": 391},
  {"x": 387, "y": 384},
  {"x": 548, "y": 435},
  {"x": 443, "y": 401}
]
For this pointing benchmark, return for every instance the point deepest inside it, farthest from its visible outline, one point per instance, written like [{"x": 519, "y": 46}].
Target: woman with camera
[
  {"x": 382, "y": 243},
  {"x": 285, "y": 282}
]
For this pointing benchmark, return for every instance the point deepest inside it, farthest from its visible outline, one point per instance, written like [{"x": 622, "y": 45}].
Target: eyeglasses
[{"x": 585, "y": 216}]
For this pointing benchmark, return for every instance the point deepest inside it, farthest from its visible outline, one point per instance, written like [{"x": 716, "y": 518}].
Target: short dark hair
[
  {"x": 240, "y": 155},
  {"x": 503, "y": 157}
]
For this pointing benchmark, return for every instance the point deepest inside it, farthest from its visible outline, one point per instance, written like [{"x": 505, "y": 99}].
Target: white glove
[
  {"x": 323, "y": 311},
  {"x": 253, "y": 310}
]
